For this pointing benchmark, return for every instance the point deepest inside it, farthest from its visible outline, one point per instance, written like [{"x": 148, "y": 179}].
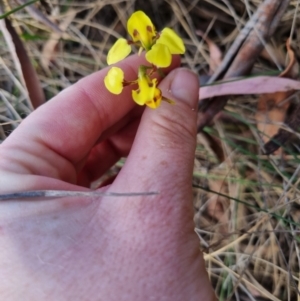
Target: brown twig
[
  {"x": 241, "y": 57},
  {"x": 32, "y": 82}
]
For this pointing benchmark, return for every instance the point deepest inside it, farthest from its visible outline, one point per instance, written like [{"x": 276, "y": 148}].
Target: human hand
[{"x": 126, "y": 248}]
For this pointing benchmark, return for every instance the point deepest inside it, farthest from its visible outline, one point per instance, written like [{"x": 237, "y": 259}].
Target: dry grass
[{"x": 247, "y": 204}]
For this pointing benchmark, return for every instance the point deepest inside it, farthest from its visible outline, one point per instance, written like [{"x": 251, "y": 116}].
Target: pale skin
[{"x": 141, "y": 248}]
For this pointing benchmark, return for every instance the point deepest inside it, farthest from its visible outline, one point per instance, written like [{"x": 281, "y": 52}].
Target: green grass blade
[{"x": 17, "y": 9}]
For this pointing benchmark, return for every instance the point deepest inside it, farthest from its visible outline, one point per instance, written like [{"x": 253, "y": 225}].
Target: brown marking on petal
[
  {"x": 135, "y": 33},
  {"x": 150, "y": 85},
  {"x": 149, "y": 28}
]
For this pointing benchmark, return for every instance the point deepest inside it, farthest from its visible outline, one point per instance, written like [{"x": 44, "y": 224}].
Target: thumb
[
  {"x": 157, "y": 232},
  {"x": 162, "y": 156}
]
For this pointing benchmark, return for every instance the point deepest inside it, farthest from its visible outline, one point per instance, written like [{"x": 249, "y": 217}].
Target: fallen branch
[{"x": 243, "y": 53}]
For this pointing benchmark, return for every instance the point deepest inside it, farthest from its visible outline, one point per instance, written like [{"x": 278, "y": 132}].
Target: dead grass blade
[
  {"x": 39, "y": 16},
  {"x": 28, "y": 72},
  {"x": 49, "y": 47},
  {"x": 244, "y": 51},
  {"x": 12, "y": 48},
  {"x": 215, "y": 53}
]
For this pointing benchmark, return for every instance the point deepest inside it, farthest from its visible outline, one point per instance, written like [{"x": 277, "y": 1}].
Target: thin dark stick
[{"x": 67, "y": 193}]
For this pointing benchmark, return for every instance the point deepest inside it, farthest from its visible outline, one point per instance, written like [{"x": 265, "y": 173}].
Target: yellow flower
[
  {"x": 159, "y": 46},
  {"x": 169, "y": 38},
  {"x": 167, "y": 44},
  {"x": 159, "y": 49},
  {"x": 147, "y": 92},
  {"x": 141, "y": 29},
  {"x": 159, "y": 55},
  {"x": 118, "y": 51},
  {"x": 114, "y": 80}
]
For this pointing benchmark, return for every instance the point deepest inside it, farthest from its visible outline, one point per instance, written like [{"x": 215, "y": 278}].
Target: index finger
[{"x": 71, "y": 123}]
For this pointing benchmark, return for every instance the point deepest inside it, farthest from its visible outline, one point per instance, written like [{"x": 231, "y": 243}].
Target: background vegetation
[{"x": 246, "y": 203}]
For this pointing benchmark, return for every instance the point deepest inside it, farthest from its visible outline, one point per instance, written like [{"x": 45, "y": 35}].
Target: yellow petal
[
  {"x": 141, "y": 29},
  {"x": 169, "y": 38},
  {"x": 147, "y": 93},
  {"x": 136, "y": 97},
  {"x": 155, "y": 102},
  {"x": 118, "y": 51},
  {"x": 114, "y": 80},
  {"x": 159, "y": 55},
  {"x": 141, "y": 95}
]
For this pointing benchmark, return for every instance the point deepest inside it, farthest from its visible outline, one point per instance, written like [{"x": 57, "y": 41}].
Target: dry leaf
[
  {"x": 271, "y": 112},
  {"x": 253, "y": 85},
  {"x": 291, "y": 71},
  {"x": 272, "y": 108}
]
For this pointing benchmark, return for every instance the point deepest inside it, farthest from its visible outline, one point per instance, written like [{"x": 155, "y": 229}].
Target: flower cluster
[{"x": 159, "y": 47}]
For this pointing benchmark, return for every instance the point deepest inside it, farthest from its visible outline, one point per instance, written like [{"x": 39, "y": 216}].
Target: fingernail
[{"x": 185, "y": 86}]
